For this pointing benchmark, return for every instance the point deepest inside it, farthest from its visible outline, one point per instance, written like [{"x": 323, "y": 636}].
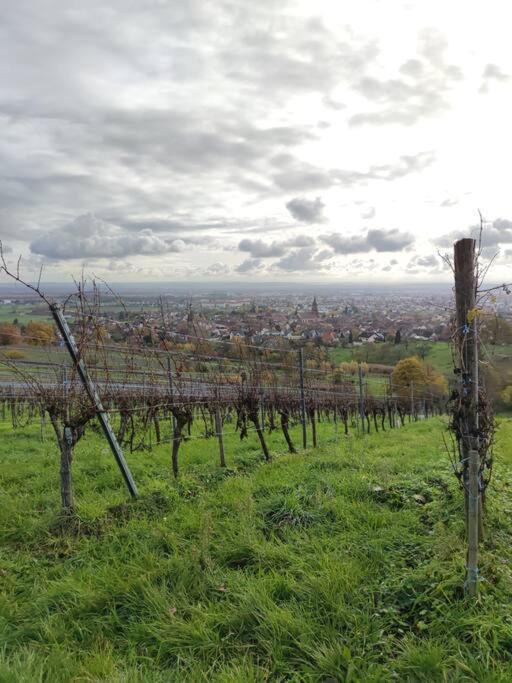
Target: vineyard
[
  {"x": 283, "y": 528},
  {"x": 153, "y": 393}
]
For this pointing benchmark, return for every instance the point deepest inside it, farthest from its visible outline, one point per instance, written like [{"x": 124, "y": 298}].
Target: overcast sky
[{"x": 268, "y": 140}]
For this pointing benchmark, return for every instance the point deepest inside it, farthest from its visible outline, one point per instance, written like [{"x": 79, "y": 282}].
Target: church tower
[{"x": 314, "y": 307}]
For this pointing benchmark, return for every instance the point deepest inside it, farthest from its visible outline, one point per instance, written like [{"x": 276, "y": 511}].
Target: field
[
  {"x": 343, "y": 563},
  {"x": 23, "y": 313}
]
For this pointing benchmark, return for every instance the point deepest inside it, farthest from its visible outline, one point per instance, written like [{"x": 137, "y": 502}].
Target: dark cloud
[
  {"x": 420, "y": 88},
  {"x": 306, "y": 210},
  {"x": 373, "y": 240}
]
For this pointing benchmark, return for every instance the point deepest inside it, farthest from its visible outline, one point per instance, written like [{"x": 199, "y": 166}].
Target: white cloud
[{"x": 89, "y": 236}]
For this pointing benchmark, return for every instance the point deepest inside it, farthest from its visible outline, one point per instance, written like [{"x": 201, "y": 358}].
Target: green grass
[
  {"x": 321, "y": 566},
  {"x": 24, "y": 314}
]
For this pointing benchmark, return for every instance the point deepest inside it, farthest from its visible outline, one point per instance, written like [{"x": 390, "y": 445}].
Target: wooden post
[
  {"x": 218, "y": 429},
  {"x": 361, "y": 397},
  {"x": 466, "y": 340},
  {"x": 466, "y": 348},
  {"x": 313, "y": 425},
  {"x": 471, "y": 585},
  {"x": 90, "y": 388},
  {"x": 303, "y": 400},
  {"x": 171, "y": 396}
]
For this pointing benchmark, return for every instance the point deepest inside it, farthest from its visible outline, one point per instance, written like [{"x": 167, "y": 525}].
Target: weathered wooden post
[
  {"x": 303, "y": 400},
  {"x": 220, "y": 437},
  {"x": 361, "y": 397},
  {"x": 466, "y": 340},
  {"x": 471, "y": 585}
]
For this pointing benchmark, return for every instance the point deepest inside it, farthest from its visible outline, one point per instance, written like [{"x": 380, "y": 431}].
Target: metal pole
[
  {"x": 90, "y": 388},
  {"x": 361, "y": 397},
  {"x": 412, "y": 399},
  {"x": 303, "y": 399}
]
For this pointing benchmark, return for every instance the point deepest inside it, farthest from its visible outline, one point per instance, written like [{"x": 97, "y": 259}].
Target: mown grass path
[{"x": 340, "y": 564}]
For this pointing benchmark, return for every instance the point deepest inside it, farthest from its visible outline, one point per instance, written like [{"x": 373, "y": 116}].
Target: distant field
[
  {"x": 24, "y": 314},
  {"x": 320, "y": 566}
]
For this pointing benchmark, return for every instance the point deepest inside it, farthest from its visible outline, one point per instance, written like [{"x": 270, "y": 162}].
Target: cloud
[
  {"x": 306, "y": 210},
  {"x": 427, "y": 264},
  {"x": 294, "y": 175},
  {"x": 426, "y": 261},
  {"x": 260, "y": 249},
  {"x": 91, "y": 237},
  {"x": 492, "y": 73},
  {"x": 305, "y": 259},
  {"x": 368, "y": 213},
  {"x": 446, "y": 203},
  {"x": 390, "y": 265},
  {"x": 389, "y": 240},
  {"x": 497, "y": 232},
  {"x": 177, "y": 245},
  {"x": 216, "y": 269},
  {"x": 374, "y": 240},
  {"x": 420, "y": 89},
  {"x": 250, "y": 265}
]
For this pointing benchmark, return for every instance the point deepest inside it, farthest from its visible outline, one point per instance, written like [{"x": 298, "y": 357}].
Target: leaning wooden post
[
  {"x": 220, "y": 437},
  {"x": 303, "y": 400},
  {"x": 90, "y": 388}
]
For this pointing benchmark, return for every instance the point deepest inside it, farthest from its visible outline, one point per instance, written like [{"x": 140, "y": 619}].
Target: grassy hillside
[{"x": 339, "y": 564}]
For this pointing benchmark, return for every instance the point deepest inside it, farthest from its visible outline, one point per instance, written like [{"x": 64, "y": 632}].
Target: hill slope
[{"x": 344, "y": 564}]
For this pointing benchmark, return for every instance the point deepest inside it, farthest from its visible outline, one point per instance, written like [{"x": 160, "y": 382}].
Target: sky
[{"x": 290, "y": 140}]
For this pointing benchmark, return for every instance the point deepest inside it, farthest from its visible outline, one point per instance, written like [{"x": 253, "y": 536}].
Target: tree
[
  {"x": 506, "y": 396},
  {"x": 495, "y": 330},
  {"x": 350, "y": 337},
  {"x": 423, "y": 349},
  {"x": 10, "y": 335},
  {"x": 398, "y": 337},
  {"x": 411, "y": 372},
  {"x": 40, "y": 334}
]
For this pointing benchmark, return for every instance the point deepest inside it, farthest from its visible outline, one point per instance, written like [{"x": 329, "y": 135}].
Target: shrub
[
  {"x": 14, "y": 355},
  {"x": 9, "y": 334},
  {"x": 40, "y": 334}
]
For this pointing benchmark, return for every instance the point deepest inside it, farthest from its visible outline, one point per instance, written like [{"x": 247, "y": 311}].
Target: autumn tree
[
  {"x": 40, "y": 333},
  {"x": 412, "y": 372},
  {"x": 10, "y": 335}
]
